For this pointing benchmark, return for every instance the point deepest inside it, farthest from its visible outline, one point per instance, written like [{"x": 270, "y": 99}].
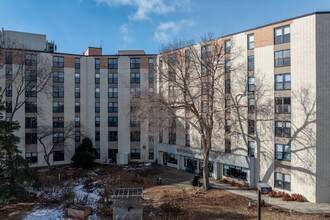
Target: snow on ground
[{"x": 45, "y": 214}]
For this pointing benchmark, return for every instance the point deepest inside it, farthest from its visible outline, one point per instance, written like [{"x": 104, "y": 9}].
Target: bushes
[
  {"x": 85, "y": 154},
  {"x": 286, "y": 196},
  {"x": 297, "y": 197}
]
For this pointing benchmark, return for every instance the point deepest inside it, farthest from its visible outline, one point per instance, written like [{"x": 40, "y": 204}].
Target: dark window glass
[
  {"x": 9, "y": 74},
  {"x": 135, "y": 154},
  {"x": 58, "y": 92},
  {"x": 77, "y": 78},
  {"x": 58, "y": 137},
  {"x": 97, "y": 107},
  {"x": 58, "y": 155},
  {"x": 113, "y": 92},
  {"x": 9, "y": 107},
  {"x": 227, "y": 46},
  {"x": 31, "y": 107},
  {"x": 31, "y": 76},
  {"x": 282, "y": 105},
  {"x": 113, "y": 136},
  {"x": 251, "y": 86},
  {"x": 97, "y": 63},
  {"x": 58, "y": 62},
  {"x": 282, "y": 129},
  {"x": 77, "y": 63},
  {"x": 227, "y": 86},
  {"x": 112, "y": 155},
  {"x": 283, "y": 81},
  {"x": 9, "y": 58},
  {"x": 9, "y": 91},
  {"x": 135, "y": 136},
  {"x": 112, "y": 121},
  {"x": 58, "y": 107},
  {"x": 77, "y": 136},
  {"x": 227, "y": 145},
  {"x": 206, "y": 51},
  {"x": 172, "y": 138},
  {"x": 251, "y": 148},
  {"x": 77, "y": 122},
  {"x": 282, "y": 152},
  {"x": 58, "y": 77},
  {"x": 31, "y": 138},
  {"x": 151, "y": 63},
  {"x": 112, "y": 63},
  {"x": 77, "y": 107},
  {"x": 251, "y": 125},
  {"x": 236, "y": 172},
  {"x": 251, "y": 105},
  {"x": 250, "y": 41},
  {"x": 135, "y": 77},
  {"x": 282, "y": 58},
  {"x": 113, "y": 78},
  {"x": 31, "y": 123},
  {"x": 282, "y": 181},
  {"x": 97, "y": 92},
  {"x": 58, "y": 122},
  {"x": 32, "y": 157},
  {"x": 251, "y": 63},
  {"x": 31, "y": 59},
  {"x": 151, "y": 154},
  {"x": 227, "y": 66},
  {"x": 97, "y": 136},
  {"x": 97, "y": 121},
  {"x": 135, "y": 63},
  {"x": 113, "y": 107},
  {"x": 282, "y": 35},
  {"x": 97, "y": 78}
]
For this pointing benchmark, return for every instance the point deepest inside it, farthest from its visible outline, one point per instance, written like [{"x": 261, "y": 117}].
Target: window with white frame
[
  {"x": 282, "y": 152},
  {"x": 282, "y": 181},
  {"x": 282, "y": 35}
]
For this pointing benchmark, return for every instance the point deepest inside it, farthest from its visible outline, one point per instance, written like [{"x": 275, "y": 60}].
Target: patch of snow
[
  {"x": 45, "y": 214},
  {"x": 147, "y": 164},
  {"x": 92, "y": 197}
]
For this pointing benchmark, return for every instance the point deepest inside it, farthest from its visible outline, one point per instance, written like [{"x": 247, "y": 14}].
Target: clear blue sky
[{"x": 143, "y": 24}]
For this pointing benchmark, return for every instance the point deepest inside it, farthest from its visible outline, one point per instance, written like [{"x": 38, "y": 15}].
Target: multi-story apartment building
[{"x": 288, "y": 147}]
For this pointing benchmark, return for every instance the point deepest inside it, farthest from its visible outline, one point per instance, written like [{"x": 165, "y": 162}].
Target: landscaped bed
[{"x": 68, "y": 187}]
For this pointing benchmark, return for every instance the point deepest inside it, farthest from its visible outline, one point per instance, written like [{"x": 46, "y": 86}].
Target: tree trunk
[
  {"x": 206, "y": 183},
  {"x": 46, "y": 157}
]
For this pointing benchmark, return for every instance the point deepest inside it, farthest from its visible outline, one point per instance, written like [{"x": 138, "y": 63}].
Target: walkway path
[{"x": 303, "y": 207}]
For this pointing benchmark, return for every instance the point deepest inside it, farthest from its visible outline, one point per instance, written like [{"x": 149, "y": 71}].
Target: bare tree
[
  {"x": 192, "y": 90},
  {"x": 27, "y": 74},
  {"x": 52, "y": 139}
]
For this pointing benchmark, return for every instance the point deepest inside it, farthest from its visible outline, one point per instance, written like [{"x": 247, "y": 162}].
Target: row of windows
[
  {"x": 282, "y": 152},
  {"x": 113, "y": 136}
]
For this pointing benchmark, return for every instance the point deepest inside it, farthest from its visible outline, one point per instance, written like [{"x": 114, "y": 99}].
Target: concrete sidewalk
[{"x": 303, "y": 207}]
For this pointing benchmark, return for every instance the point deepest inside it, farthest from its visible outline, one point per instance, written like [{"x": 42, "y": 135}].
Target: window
[
  {"x": 113, "y": 107},
  {"x": 227, "y": 105},
  {"x": 77, "y": 92},
  {"x": 206, "y": 51},
  {"x": 113, "y": 92},
  {"x": 151, "y": 90},
  {"x": 160, "y": 137},
  {"x": 282, "y": 152},
  {"x": 58, "y": 122},
  {"x": 282, "y": 129},
  {"x": 31, "y": 138},
  {"x": 135, "y": 92},
  {"x": 112, "y": 154},
  {"x": 30, "y": 59},
  {"x": 251, "y": 105},
  {"x": 32, "y": 157},
  {"x": 58, "y": 107},
  {"x": 97, "y": 78},
  {"x": 187, "y": 140},
  {"x": 97, "y": 153},
  {"x": 251, "y": 148},
  {"x": 58, "y": 77},
  {"x": 135, "y": 154},
  {"x": 113, "y": 78},
  {"x": 113, "y": 136},
  {"x": 250, "y": 63},
  {"x": 31, "y": 107},
  {"x": 31, "y": 123},
  {"x": 9, "y": 91},
  {"x": 282, "y": 181},
  {"x": 227, "y": 86},
  {"x": 58, "y": 62},
  {"x": 227, "y": 46},
  {"x": 112, "y": 121},
  {"x": 151, "y": 63},
  {"x": 187, "y": 55},
  {"x": 251, "y": 125},
  {"x": 135, "y": 63},
  {"x": 151, "y": 77},
  {"x": 135, "y": 136},
  {"x": 282, "y": 35},
  {"x": 227, "y": 145},
  {"x": 135, "y": 77},
  {"x": 9, "y": 107},
  {"x": 9, "y": 58},
  {"x": 97, "y": 107},
  {"x": 97, "y": 63},
  {"x": 77, "y": 78},
  {"x": 283, "y": 81},
  {"x": 251, "y": 86},
  {"x": 9, "y": 74},
  {"x": 250, "y": 41},
  {"x": 282, "y": 58},
  {"x": 77, "y": 122},
  {"x": 77, "y": 63},
  {"x": 172, "y": 91},
  {"x": 227, "y": 66},
  {"x": 112, "y": 63},
  {"x": 227, "y": 125},
  {"x": 204, "y": 106},
  {"x": 58, "y": 92},
  {"x": 134, "y": 122},
  {"x": 206, "y": 71},
  {"x": 77, "y": 136},
  {"x": 97, "y": 136},
  {"x": 282, "y": 105},
  {"x": 160, "y": 62},
  {"x": 97, "y": 121},
  {"x": 31, "y": 76},
  {"x": 172, "y": 138},
  {"x": 151, "y": 154},
  {"x": 97, "y": 92},
  {"x": 206, "y": 89},
  {"x": 77, "y": 107},
  {"x": 236, "y": 172},
  {"x": 58, "y": 155}
]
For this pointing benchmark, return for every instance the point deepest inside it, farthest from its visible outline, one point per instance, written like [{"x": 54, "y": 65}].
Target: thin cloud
[
  {"x": 126, "y": 31},
  {"x": 165, "y": 32},
  {"x": 147, "y": 7}
]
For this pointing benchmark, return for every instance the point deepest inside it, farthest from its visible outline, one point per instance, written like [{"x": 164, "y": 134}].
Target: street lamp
[{"x": 262, "y": 187}]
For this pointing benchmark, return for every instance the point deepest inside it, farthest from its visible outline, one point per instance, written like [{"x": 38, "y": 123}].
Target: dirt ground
[{"x": 178, "y": 201}]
